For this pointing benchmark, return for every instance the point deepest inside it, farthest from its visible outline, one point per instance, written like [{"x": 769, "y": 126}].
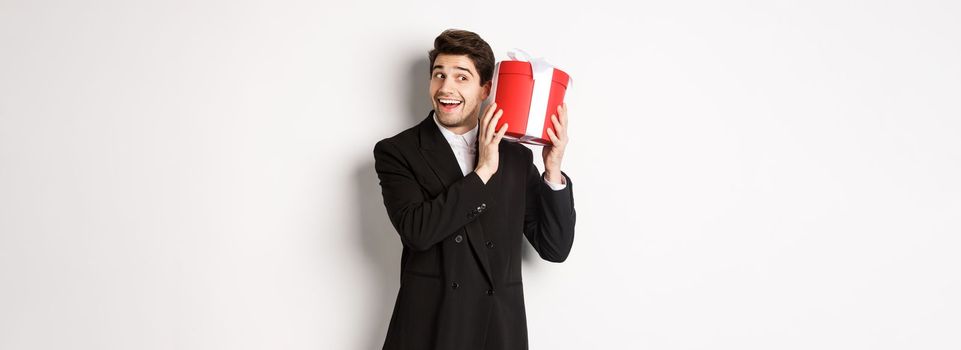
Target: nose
[{"x": 447, "y": 86}]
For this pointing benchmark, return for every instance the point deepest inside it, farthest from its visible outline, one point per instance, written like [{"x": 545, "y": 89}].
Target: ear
[{"x": 487, "y": 90}]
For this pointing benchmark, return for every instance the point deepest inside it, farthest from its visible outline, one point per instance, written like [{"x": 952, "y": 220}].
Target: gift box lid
[{"x": 524, "y": 68}]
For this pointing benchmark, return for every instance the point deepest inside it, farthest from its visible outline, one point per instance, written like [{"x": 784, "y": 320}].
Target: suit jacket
[{"x": 460, "y": 271}]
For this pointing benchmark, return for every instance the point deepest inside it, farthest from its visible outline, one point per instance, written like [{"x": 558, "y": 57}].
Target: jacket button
[
  {"x": 490, "y": 244},
  {"x": 454, "y": 285},
  {"x": 458, "y": 238},
  {"x": 490, "y": 292},
  {"x": 483, "y": 206}
]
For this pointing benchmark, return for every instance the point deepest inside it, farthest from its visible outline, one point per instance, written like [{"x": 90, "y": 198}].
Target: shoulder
[{"x": 403, "y": 139}]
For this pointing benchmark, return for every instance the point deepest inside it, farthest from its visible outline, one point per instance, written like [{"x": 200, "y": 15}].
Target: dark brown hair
[{"x": 462, "y": 42}]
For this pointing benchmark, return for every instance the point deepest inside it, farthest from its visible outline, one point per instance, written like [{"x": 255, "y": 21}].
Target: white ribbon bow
[{"x": 538, "y": 64}]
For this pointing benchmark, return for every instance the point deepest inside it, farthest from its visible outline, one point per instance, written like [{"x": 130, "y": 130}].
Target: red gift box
[{"x": 529, "y": 92}]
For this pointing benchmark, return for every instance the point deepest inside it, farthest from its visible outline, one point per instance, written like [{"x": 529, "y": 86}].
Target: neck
[{"x": 462, "y": 128}]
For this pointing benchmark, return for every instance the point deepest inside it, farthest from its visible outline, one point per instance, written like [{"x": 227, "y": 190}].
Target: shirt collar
[{"x": 469, "y": 137}]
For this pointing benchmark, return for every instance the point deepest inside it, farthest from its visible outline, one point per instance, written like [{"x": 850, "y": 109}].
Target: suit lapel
[{"x": 440, "y": 158}]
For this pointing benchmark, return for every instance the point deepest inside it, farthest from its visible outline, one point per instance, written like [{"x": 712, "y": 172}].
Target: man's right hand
[{"x": 488, "y": 141}]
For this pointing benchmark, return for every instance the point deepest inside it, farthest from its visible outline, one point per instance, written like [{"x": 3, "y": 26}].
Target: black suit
[{"x": 460, "y": 282}]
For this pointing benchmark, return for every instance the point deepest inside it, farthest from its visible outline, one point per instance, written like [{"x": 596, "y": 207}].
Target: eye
[
  {"x": 462, "y": 78},
  {"x": 439, "y": 75}
]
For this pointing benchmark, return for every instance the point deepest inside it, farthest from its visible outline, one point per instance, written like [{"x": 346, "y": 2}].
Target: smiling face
[{"x": 456, "y": 92}]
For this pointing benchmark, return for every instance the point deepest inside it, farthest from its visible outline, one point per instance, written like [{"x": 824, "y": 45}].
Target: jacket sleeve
[
  {"x": 423, "y": 222},
  {"x": 549, "y": 216}
]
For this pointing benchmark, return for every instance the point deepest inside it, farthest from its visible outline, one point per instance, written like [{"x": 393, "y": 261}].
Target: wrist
[
  {"x": 554, "y": 176},
  {"x": 484, "y": 173}
]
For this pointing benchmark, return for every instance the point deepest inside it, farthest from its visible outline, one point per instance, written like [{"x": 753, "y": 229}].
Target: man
[{"x": 461, "y": 200}]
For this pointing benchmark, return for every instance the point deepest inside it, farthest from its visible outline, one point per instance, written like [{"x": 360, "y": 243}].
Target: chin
[
  {"x": 449, "y": 119},
  {"x": 452, "y": 121}
]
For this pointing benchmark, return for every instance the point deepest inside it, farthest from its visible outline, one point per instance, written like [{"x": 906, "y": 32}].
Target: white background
[{"x": 747, "y": 174}]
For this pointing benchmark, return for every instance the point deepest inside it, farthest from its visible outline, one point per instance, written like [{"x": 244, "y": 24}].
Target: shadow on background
[
  {"x": 381, "y": 245},
  {"x": 377, "y": 238},
  {"x": 418, "y": 84}
]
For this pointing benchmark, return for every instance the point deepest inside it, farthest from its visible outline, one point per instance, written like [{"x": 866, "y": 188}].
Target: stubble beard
[{"x": 461, "y": 119}]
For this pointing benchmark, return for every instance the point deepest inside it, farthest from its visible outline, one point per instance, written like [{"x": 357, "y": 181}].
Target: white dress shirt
[{"x": 465, "y": 150}]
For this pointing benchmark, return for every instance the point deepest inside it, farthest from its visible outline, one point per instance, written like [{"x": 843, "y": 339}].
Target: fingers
[
  {"x": 485, "y": 119},
  {"x": 560, "y": 123},
  {"x": 492, "y": 125},
  {"x": 562, "y": 111},
  {"x": 483, "y": 123},
  {"x": 500, "y": 134},
  {"x": 490, "y": 107},
  {"x": 489, "y": 122},
  {"x": 558, "y": 126},
  {"x": 554, "y": 139},
  {"x": 558, "y": 134}
]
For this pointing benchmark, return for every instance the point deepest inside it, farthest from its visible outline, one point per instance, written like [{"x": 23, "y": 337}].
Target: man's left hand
[{"x": 554, "y": 154}]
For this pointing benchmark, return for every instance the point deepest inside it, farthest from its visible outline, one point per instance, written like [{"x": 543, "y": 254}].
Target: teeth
[{"x": 450, "y": 102}]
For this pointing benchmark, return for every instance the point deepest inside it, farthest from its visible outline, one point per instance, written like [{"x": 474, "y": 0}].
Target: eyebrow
[{"x": 455, "y": 67}]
